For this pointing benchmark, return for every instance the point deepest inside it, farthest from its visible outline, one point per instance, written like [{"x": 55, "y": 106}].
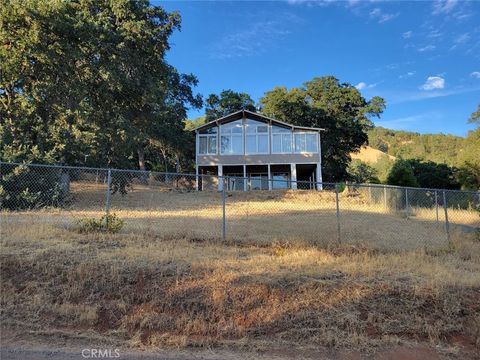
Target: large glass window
[
  {"x": 231, "y": 138},
  {"x": 306, "y": 142},
  {"x": 256, "y": 140},
  {"x": 258, "y": 182},
  {"x": 280, "y": 181},
  {"x": 207, "y": 141},
  {"x": 281, "y": 140}
]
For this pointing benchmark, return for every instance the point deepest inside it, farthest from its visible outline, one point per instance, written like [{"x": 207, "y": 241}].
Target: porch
[{"x": 260, "y": 177}]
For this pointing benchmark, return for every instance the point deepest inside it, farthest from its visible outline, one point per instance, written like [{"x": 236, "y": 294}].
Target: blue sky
[{"x": 422, "y": 57}]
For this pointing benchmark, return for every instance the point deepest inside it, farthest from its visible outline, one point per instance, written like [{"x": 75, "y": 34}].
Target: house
[{"x": 253, "y": 152}]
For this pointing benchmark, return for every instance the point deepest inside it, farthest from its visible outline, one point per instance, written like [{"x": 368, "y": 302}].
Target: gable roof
[{"x": 241, "y": 114}]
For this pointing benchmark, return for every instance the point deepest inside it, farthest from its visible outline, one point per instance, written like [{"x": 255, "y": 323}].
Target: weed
[{"x": 109, "y": 223}]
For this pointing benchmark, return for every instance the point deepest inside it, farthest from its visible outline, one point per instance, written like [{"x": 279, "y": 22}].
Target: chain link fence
[{"x": 236, "y": 209}]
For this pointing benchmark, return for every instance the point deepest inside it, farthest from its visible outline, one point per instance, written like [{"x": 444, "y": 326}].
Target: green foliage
[
  {"x": 382, "y": 167},
  {"x": 360, "y": 172},
  {"x": 438, "y": 160},
  {"x": 438, "y": 148},
  {"x": 192, "y": 124},
  {"x": 86, "y": 83},
  {"x": 337, "y": 107},
  {"x": 226, "y": 103},
  {"x": 433, "y": 175},
  {"x": 475, "y": 117},
  {"x": 401, "y": 174},
  {"x": 110, "y": 223},
  {"x": 469, "y": 176},
  {"x": 25, "y": 187}
]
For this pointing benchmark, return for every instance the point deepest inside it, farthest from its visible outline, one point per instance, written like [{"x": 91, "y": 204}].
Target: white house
[{"x": 258, "y": 152}]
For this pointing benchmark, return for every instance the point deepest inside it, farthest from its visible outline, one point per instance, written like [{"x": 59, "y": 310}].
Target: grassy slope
[
  {"x": 162, "y": 283},
  {"x": 370, "y": 155},
  {"x": 149, "y": 290},
  {"x": 438, "y": 148}
]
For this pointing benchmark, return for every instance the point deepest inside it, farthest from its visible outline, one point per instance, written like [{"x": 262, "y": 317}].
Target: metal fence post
[
  {"x": 338, "y": 214},
  {"x": 224, "y": 218},
  {"x": 406, "y": 202},
  {"x": 436, "y": 204},
  {"x": 385, "y": 197},
  {"x": 107, "y": 199},
  {"x": 447, "y": 225}
]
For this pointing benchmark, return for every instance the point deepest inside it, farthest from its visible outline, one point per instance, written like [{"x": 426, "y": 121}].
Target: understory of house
[{"x": 259, "y": 177}]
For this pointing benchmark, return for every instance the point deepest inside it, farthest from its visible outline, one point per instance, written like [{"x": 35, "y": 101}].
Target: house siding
[{"x": 212, "y": 160}]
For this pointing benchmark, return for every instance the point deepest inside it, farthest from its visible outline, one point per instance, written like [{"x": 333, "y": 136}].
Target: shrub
[
  {"x": 110, "y": 223},
  {"x": 361, "y": 173},
  {"x": 401, "y": 174},
  {"x": 26, "y": 187}
]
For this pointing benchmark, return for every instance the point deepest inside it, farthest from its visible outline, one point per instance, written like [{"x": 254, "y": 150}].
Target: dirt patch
[{"x": 180, "y": 293}]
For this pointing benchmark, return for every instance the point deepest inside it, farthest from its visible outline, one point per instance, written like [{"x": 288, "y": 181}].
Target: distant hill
[
  {"x": 439, "y": 148},
  {"x": 370, "y": 155}
]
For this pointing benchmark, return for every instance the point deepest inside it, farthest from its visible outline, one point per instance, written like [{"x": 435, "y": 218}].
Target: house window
[
  {"x": 235, "y": 182},
  {"x": 280, "y": 181},
  {"x": 258, "y": 182},
  {"x": 256, "y": 140},
  {"x": 231, "y": 138},
  {"x": 281, "y": 140},
  {"x": 306, "y": 142},
  {"x": 207, "y": 141}
]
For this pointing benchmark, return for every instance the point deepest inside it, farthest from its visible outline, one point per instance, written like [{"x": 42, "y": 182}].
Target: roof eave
[{"x": 244, "y": 112}]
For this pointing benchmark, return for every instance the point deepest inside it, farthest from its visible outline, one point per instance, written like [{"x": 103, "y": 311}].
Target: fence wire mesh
[{"x": 237, "y": 209}]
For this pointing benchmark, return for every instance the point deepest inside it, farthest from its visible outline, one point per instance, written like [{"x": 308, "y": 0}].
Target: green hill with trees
[
  {"x": 436, "y": 160},
  {"x": 440, "y": 148}
]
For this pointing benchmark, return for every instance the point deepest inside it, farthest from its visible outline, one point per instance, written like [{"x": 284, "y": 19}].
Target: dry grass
[
  {"x": 168, "y": 280},
  {"x": 259, "y": 217},
  {"x": 370, "y": 155},
  {"x": 153, "y": 291}
]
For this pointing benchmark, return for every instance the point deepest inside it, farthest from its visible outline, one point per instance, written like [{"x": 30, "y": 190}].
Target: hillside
[
  {"x": 439, "y": 148},
  {"x": 370, "y": 155}
]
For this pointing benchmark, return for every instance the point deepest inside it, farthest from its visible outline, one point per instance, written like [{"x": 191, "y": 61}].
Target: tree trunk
[
  {"x": 141, "y": 164},
  {"x": 141, "y": 158},
  {"x": 178, "y": 169}
]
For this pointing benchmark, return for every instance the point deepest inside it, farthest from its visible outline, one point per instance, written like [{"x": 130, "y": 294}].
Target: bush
[
  {"x": 110, "y": 223},
  {"x": 401, "y": 174},
  {"x": 361, "y": 173},
  {"x": 27, "y": 187}
]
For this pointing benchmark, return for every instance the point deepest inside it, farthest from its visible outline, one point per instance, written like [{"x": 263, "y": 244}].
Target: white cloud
[
  {"x": 433, "y": 82},
  {"x": 353, "y": 2},
  {"x": 408, "y": 74},
  {"x": 434, "y": 34},
  {"x": 405, "y": 122},
  {"x": 475, "y": 74},
  {"x": 258, "y": 38},
  {"x": 407, "y": 34},
  {"x": 443, "y": 6},
  {"x": 452, "y": 9},
  {"x": 311, "y": 2},
  {"x": 362, "y": 85},
  {"x": 399, "y": 97},
  {"x": 462, "y": 38},
  {"x": 380, "y": 16},
  {"x": 427, "y": 48}
]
